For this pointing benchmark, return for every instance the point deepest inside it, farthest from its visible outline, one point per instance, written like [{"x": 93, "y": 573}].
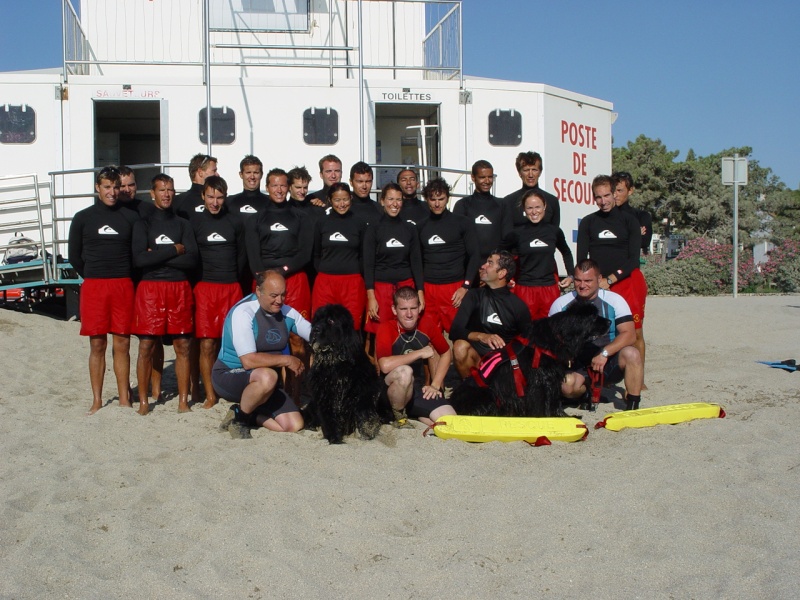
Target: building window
[
  {"x": 17, "y": 124},
  {"x": 223, "y": 125},
  {"x": 320, "y": 126},
  {"x": 259, "y": 15},
  {"x": 505, "y": 127}
]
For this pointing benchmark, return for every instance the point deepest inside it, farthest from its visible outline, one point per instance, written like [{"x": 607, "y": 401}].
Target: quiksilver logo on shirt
[
  {"x": 164, "y": 239},
  {"x": 435, "y": 239},
  {"x": 337, "y": 237},
  {"x": 493, "y": 318},
  {"x": 537, "y": 243},
  {"x": 215, "y": 237},
  {"x": 482, "y": 220},
  {"x": 107, "y": 230},
  {"x": 200, "y": 208},
  {"x": 278, "y": 227},
  {"x": 248, "y": 209},
  {"x": 394, "y": 243},
  {"x": 607, "y": 234}
]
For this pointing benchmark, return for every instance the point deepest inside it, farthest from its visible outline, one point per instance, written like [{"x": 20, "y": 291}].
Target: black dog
[
  {"x": 346, "y": 392},
  {"x": 550, "y": 347}
]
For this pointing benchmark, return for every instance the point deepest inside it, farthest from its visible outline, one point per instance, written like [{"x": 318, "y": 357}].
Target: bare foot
[
  {"x": 210, "y": 402},
  {"x": 144, "y": 408},
  {"x": 95, "y": 407},
  {"x": 183, "y": 407}
]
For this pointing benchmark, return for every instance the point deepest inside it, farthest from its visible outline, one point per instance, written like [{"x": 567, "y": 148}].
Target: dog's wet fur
[
  {"x": 347, "y": 394},
  {"x": 566, "y": 335}
]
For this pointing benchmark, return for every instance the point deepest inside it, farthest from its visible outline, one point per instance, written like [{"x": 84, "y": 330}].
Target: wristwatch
[
  {"x": 609, "y": 282},
  {"x": 604, "y": 353}
]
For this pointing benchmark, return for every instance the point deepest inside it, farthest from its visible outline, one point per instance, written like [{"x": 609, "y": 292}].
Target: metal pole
[
  {"x": 735, "y": 225},
  {"x": 736, "y": 180},
  {"x": 360, "y": 81},
  {"x": 207, "y": 72}
]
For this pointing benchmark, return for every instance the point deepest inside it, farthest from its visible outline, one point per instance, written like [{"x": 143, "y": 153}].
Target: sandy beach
[{"x": 166, "y": 506}]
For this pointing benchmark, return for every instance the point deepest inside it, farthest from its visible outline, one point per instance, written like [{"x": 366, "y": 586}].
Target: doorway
[
  {"x": 406, "y": 134},
  {"x": 128, "y": 132}
]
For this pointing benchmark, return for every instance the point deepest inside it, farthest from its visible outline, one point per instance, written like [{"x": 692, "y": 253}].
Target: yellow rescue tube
[
  {"x": 535, "y": 431},
  {"x": 661, "y": 415}
]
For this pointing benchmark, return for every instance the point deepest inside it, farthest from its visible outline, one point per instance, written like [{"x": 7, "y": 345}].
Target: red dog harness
[{"x": 509, "y": 353}]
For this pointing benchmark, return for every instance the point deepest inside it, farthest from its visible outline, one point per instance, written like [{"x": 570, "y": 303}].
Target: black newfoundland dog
[
  {"x": 543, "y": 357},
  {"x": 346, "y": 392}
]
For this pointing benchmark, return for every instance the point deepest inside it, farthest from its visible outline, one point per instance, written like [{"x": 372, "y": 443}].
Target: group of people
[{"x": 232, "y": 280}]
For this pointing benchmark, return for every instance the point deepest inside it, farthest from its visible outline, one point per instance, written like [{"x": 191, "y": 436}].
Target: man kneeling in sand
[
  {"x": 613, "y": 355},
  {"x": 255, "y": 340},
  {"x": 402, "y": 346}
]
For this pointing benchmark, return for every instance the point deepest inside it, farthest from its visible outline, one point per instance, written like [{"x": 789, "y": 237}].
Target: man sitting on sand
[
  {"x": 402, "y": 347},
  {"x": 612, "y": 355},
  {"x": 255, "y": 341},
  {"x": 489, "y": 316}
]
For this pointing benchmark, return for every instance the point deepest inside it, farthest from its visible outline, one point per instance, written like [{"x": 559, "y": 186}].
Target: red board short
[
  {"x": 383, "y": 294},
  {"x": 634, "y": 290},
  {"x": 106, "y": 306},
  {"x": 298, "y": 294},
  {"x": 439, "y": 303},
  {"x": 539, "y": 299},
  {"x": 347, "y": 290},
  {"x": 212, "y": 301},
  {"x": 163, "y": 307}
]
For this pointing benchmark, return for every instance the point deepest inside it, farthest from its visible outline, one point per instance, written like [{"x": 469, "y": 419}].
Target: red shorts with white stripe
[
  {"x": 163, "y": 307},
  {"x": 106, "y": 306},
  {"x": 212, "y": 301},
  {"x": 347, "y": 290},
  {"x": 634, "y": 290},
  {"x": 298, "y": 294},
  {"x": 383, "y": 294},
  {"x": 439, "y": 303},
  {"x": 538, "y": 298}
]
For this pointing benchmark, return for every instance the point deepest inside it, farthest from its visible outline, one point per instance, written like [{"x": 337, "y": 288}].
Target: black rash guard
[
  {"x": 307, "y": 210},
  {"x": 612, "y": 240},
  {"x": 512, "y": 202},
  {"x": 247, "y": 204},
  {"x": 492, "y": 221},
  {"x": 321, "y": 195},
  {"x": 189, "y": 202},
  {"x": 154, "y": 249},
  {"x": 414, "y": 210},
  {"x": 486, "y": 310},
  {"x": 338, "y": 240},
  {"x": 221, "y": 244},
  {"x": 366, "y": 209},
  {"x": 391, "y": 252},
  {"x": 645, "y": 220},
  {"x": 99, "y": 242},
  {"x": 536, "y": 245},
  {"x": 279, "y": 239},
  {"x": 449, "y": 249},
  {"x": 142, "y": 208}
]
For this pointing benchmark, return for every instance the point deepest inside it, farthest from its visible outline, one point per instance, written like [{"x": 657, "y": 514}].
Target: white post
[{"x": 735, "y": 230}]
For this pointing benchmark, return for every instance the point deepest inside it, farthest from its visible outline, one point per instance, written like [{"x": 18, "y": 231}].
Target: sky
[{"x": 706, "y": 76}]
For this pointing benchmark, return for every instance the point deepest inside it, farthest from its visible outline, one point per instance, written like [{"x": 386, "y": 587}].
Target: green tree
[{"x": 690, "y": 193}]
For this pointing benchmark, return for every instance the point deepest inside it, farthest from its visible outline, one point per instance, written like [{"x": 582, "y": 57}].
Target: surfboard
[
  {"x": 669, "y": 414},
  {"x": 535, "y": 431}
]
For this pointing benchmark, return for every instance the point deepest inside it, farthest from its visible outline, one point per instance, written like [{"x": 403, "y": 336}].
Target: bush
[
  {"x": 702, "y": 268},
  {"x": 692, "y": 276},
  {"x": 783, "y": 267}
]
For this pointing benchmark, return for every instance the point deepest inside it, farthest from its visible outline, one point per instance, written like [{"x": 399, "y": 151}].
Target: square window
[
  {"x": 223, "y": 125},
  {"x": 17, "y": 124},
  {"x": 320, "y": 126},
  {"x": 505, "y": 127}
]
